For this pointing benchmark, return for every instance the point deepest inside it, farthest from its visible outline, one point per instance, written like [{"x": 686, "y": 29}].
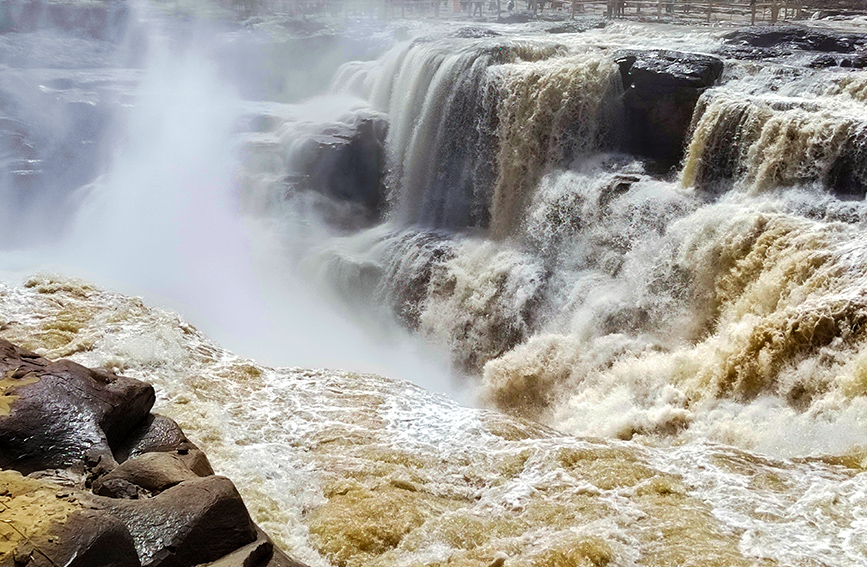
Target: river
[{"x": 525, "y": 342}]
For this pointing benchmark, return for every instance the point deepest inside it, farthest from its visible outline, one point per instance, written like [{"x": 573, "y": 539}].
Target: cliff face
[{"x": 89, "y": 477}]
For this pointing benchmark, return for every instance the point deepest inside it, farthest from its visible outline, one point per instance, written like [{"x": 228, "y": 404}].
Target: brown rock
[
  {"x": 260, "y": 553},
  {"x": 193, "y": 522},
  {"x": 161, "y": 434},
  {"x": 155, "y": 472},
  {"x": 45, "y": 525},
  {"x": 57, "y": 413}
]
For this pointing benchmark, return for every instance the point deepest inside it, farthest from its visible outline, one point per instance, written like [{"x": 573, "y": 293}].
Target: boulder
[
  {"x": 193, "y": 522},
  {"x": 260, "y": 553},
  {"x": 661, "y": 91},
  {"x": 154, "y": 472},
  {"x": 61, "y": 414},
  {"x": 516, "y": 17},
  {"x": 161, "y": 434},
  {"x": 69, "y": 426},
  {"x": 346, "y": 161},
  {"x": 579, "y": 26},
  {"x": 826, "y": 60},
  {"x": 473, "y": 32}
]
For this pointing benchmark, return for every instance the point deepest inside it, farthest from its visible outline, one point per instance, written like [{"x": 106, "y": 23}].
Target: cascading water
[
  {"x": 702, "y": 327},
  {"x": 473, "y": 128},
  {"x": 625, "y": 304}
]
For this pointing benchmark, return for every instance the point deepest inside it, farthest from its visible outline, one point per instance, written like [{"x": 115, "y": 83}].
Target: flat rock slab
[
  {"x": 764, "y": 42},
  {"x": 45, "y": 525}
]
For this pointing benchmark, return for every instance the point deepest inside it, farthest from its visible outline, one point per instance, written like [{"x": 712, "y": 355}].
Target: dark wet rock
[
  {"x": 260, "y": 553},
  {"x": 579, "y": 26},
  {"x": 797, "y": 37},
  {"x": 346, "y": 162},
  {"x": 827, "y": 60},
  {"x": 516, "y": 18},
  {"x": 194, "y": 522},
  {"x": 471, "y": 32},
  {"x": 161, "y": 434},
  {"x": 847, "y": 177},
  {"x": 661, "y": 91},
  {"x": 61, "y": 414},
  {"x": 764, "y": 42}
]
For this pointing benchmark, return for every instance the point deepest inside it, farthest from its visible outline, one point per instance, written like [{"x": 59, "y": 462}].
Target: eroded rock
[
  {"x": 61, "y": 414},
  {"x": 661, "y": 91},
  {"x": 346, "y": 162}
]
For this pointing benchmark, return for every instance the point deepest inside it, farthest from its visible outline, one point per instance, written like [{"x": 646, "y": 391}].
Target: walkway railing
[{"x": 739, "y": 12}]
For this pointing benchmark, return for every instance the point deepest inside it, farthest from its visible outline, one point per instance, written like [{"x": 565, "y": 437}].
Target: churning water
[{"x": 674, "y": 364}]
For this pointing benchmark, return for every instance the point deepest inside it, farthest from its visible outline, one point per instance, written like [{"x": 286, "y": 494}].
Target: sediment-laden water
[{"x": 667, "y": 364}]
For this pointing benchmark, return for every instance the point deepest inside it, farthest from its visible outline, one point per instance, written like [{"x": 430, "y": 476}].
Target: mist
[{"x": 162, "y": 216}]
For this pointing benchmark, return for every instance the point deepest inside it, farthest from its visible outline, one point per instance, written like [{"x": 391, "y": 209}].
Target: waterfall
[
  {"x": 759, "y": 143},
  {"x": 473, "y": 129}
]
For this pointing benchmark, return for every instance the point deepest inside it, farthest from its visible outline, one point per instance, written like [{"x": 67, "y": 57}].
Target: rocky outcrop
[
  {"x": 661, "y": 91},
  {"x": 346, "y": 162},
  {"x": 107, "y": 483},
  {"x": 64, "y": 413},
  {"x": 836, "y": 60},
  {"x": 763, "y": 42}
]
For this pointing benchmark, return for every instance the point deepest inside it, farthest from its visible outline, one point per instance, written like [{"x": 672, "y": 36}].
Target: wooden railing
[
  {"x": 770, "y": 11},
  {"x": 741, "y": 12}
]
